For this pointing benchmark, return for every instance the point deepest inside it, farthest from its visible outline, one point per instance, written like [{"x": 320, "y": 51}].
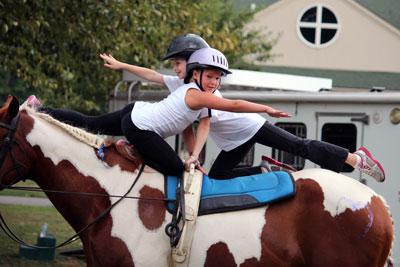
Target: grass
[
  {"x": 25, "y": 222},
  {"x": 23, "y": 193}
]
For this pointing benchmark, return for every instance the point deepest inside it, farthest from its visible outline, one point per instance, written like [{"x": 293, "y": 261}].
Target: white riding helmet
[{"x": 206, "y": 58}]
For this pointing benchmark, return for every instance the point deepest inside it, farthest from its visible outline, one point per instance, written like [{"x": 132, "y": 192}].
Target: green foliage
[{"x": 53, "y": 46}]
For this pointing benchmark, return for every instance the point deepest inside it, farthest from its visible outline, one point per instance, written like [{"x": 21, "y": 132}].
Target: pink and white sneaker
[
  {"x": 33, "y": 102},
  {"x": 369, "y": 165}
]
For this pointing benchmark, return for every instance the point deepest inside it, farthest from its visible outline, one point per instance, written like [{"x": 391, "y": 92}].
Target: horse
[{"x": 332, "y": 220}]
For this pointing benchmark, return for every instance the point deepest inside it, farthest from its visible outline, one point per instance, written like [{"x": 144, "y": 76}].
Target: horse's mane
[{"x": 78, "y": 133}]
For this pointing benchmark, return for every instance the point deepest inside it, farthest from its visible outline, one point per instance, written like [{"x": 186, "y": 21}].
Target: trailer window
[
  {"x": 298, "y": 129},
  {"x": 248, "y": 160},
  {"x": 341, "y": 134}
]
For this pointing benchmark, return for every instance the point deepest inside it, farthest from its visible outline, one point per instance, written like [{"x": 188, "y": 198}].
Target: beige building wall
[{"x": 364, "y": 42}]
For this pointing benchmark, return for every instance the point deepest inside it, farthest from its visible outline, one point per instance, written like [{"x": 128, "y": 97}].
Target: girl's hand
[
  {"x": 277, "y": 113},
  {"x": 111, "y": 62},
  {"x": 191, "y": 160}
]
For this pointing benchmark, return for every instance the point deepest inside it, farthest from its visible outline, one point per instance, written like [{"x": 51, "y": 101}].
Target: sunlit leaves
[{"x": 53, "y": 46}]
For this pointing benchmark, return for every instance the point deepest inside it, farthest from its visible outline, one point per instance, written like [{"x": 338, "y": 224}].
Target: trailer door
[{"x": 345, "y": 130}]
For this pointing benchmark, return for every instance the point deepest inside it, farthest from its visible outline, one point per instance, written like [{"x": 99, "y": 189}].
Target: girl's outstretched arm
[
  {"x": 197, "y": 100},
  {"x": 144, "y": 73}
]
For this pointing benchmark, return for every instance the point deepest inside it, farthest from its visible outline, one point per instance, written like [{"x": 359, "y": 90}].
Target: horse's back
[{"x": 332, "y": 220}]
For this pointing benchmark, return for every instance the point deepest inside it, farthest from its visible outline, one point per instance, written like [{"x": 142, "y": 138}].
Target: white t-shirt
[
  {"x": 228, "y": 129},
  {"x": 169, "y": 116},
  {"x": 172, "y": 82}
]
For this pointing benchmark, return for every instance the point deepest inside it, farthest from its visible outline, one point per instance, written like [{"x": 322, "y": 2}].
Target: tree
[{"x": 52, "y": 47}]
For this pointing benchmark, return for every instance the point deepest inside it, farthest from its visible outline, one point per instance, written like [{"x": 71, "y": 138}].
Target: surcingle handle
[
  {"x": 192, "y": 182},
  {"x": 189, "y": 178}
]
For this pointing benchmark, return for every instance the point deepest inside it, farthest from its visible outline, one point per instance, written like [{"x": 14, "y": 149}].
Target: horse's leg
[
  {"x": 280, "y": 246},
  {"x": 101, "y": 249},
  {"x": 87, "y": 249}
]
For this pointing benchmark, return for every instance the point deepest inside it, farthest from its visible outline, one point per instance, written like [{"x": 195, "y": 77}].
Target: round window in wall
[{"x": 317, "y": 26}]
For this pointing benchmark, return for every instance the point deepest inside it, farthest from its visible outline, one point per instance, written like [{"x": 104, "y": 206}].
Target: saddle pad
[{"x": 237, "y": 193}]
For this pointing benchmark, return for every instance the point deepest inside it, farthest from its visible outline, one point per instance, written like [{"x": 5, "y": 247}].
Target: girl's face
[
  {"x": 210, "y": 81},
  {"x": 179, "y": 67}
]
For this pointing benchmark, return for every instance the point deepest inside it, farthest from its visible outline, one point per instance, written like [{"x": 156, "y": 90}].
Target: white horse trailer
[{"x": 350, "y": 118}]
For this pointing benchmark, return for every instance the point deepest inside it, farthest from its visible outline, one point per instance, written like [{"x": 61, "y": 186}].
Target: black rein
[{"x": 6, "y": 145}]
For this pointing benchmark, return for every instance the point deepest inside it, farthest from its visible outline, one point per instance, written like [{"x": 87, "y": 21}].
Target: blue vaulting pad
[{"x": 238, "y": 193}]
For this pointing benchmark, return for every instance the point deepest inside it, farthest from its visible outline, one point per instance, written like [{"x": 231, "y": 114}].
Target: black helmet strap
[{"x": 200, "y": 84}]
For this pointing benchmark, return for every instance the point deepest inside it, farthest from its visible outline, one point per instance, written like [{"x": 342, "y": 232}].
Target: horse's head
[{"x": 14, "y": 149}]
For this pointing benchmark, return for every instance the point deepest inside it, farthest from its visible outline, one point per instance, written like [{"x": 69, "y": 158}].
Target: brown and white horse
[{"x": 333, "y": 220}]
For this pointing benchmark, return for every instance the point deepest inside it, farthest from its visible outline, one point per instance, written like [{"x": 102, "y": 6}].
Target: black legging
[
  {"x": 154, "y": 150},
  {"x": 326, "y": 155}
]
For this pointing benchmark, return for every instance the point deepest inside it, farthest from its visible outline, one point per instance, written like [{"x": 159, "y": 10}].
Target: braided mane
[{"x": 78, "y": 133}]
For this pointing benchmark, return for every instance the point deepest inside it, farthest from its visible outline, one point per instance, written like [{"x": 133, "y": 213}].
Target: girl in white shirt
[{"x": 236, "y": 133}]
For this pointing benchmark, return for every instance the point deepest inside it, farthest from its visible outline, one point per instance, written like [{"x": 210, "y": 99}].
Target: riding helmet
[
  {"x": 206, "y": 58},
  {"x": 184, "y": 45}
]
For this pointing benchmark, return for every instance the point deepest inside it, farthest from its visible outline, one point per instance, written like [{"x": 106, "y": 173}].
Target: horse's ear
[
  {"x": 11, "y": 107},
  {"x": 14, "y": 107}
]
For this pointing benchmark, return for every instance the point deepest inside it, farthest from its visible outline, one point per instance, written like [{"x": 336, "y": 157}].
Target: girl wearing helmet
[
  {"x": 178, "y": 52},
  {"x": 145, "y": 124},
  {"x": 236, "y": 133},
  {"x": 229, "y": 126}
]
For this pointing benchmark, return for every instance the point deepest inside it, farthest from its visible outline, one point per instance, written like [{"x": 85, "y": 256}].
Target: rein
[
  {"x": 83, "y": 194},
  {"x": 11, "y": 235},
  {"x": 6, "y": 149}
]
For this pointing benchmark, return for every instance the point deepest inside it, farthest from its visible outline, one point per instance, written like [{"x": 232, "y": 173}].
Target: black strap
[
  {"x": 172, "y": 229},
  {"x": 10, "y": 234}
]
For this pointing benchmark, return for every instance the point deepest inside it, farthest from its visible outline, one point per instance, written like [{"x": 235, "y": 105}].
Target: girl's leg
[
  {"x": 109, "y": 123},
  {"x": 224, "y": 165},
  {"x": 326, "y": 155},
  {"x": 154, "y": 150}
]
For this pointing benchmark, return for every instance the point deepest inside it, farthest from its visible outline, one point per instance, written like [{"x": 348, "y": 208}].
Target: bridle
[{"x": 6, "y": 148}]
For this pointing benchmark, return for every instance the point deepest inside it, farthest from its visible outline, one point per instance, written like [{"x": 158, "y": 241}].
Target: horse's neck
[{"x": 64, "y": 163}]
